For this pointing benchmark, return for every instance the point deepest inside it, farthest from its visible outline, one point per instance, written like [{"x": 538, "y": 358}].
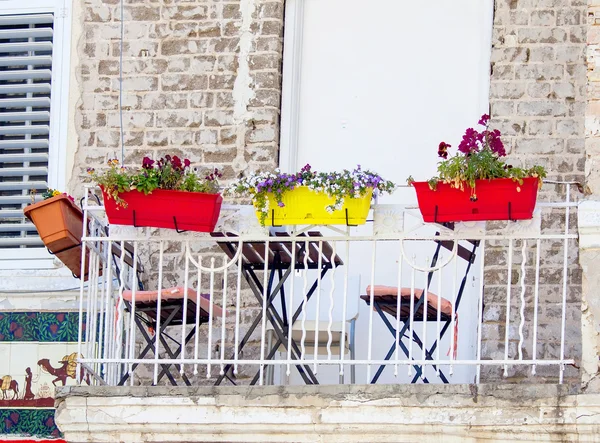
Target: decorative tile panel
[
  {"x": 37, "y": 351},
  {"x": 39, "y": 326},
  {"x": 28, "y": 422}
]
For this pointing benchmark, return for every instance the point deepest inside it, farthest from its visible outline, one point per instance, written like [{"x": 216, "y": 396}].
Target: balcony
[
  {"x": 281, "y": 306},
  {"x": 387, "y": 306}
]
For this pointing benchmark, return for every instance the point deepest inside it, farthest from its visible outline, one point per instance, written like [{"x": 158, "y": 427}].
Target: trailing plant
[
  {"x": 338, "y": 185},
  {"x": 169, "y": 172},
  {"x": 49, "y": 193},
  {"x": 479, "y": 158}
]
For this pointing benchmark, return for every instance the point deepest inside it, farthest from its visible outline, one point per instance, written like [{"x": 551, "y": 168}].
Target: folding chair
[
  {"x": 171, "y": 314},
  {"x": 385, "y": 302}
]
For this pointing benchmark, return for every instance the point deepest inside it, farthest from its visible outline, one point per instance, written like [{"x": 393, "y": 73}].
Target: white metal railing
[{"x": 496, "y": 298}]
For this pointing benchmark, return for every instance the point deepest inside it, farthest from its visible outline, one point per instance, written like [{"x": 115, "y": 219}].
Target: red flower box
[
  {"x": 184, "y": 211},
  {"x": 497, "y": 199}
]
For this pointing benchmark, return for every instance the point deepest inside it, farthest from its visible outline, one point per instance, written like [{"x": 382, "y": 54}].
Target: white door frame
[
  {"x": 291, "y": 81},
  {"x": 293, "y": 30}
]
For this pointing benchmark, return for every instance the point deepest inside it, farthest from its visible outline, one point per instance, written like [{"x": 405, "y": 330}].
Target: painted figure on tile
[
  {"x": 67, "y": 370},
  {"x": 8, "y": 384},
  {"x": 29, "y": 395}
]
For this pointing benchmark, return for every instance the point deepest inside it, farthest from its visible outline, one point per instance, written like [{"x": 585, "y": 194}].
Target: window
[{"x": 33, "y": 94}]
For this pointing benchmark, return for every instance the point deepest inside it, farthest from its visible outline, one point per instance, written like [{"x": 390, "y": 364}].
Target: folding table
[
  {"x": 284, "y": 254},
  {"x": 385, "y": 302}
]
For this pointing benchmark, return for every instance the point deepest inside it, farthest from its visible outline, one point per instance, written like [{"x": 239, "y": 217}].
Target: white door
[{"x": 381, "y": 84}]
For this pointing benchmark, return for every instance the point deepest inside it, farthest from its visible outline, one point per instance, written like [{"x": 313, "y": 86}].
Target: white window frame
[{"x": 39, "y": 258}]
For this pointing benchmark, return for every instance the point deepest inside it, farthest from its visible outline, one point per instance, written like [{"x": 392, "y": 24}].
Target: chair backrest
[{"x": 466, "y": 251}]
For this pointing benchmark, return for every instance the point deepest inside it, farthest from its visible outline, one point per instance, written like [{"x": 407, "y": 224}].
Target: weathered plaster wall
[
  {"x": 201, "y": 79},
  {"x": 374, "y": 413},
  {"x": 538, "y": 101},
  {"x": 589, "y": 212}
]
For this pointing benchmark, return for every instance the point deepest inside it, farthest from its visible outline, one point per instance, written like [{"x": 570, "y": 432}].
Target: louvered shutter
[{"x": 25, "y": 86}]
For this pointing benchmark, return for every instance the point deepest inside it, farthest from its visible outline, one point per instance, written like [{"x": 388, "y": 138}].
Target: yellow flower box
[{"x": 304, "y": 206}]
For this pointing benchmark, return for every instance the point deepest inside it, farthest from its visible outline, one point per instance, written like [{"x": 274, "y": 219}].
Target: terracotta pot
[
  {"x": 497, "y": 199},
  {"x": 59, "y": 223},
  {"x": 185, "y": 211}
]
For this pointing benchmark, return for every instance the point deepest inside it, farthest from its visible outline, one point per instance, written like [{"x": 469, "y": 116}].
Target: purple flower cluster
[
  {"x": 174, "y": 162},
  {"x": 214, "y": 175},
  {"x": 475, "y": 141}
]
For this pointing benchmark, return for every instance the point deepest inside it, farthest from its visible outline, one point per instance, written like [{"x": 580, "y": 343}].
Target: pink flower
[
  {"x": 495, "y": 143},
  {"x": 470, "y": 141},
  {"x": 483, "y": 121}
]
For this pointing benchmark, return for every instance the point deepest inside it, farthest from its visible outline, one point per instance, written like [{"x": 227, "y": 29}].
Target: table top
[{"x": 282, "y": 251}]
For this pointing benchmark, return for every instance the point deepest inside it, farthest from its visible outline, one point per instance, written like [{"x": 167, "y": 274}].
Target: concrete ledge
[{"x": 328, "y": 413}]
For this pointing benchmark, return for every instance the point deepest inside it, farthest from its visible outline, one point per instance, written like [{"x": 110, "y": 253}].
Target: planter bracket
[
  {"x": 347, "y": 222},
  {"x": 179, "y": 231},
  {"x": 273, "y": 219}
]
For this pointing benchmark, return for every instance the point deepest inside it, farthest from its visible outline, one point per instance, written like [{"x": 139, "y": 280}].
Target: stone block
[
  {"x": 141, "y": 13},
  {"x": 542, "y": 108},
  {"x": 542, "y": 35},
  {"x": 207, "y": 137},
  {"x": 183, "y": 46},
  {"x": 539, "y": 72},
  {"x": 218, "y": 118},
  {"x": 182, "y": 12},
  {"x": 507, "y": 90},
  {"x": 183, "y": 82},
  {"x": 543, "y": 18},
  {"x": 178, "y": 119},
  {"x": 539, "y": 146},
  {"x": 541, "y": 127},
  {"x": 221, "y": 81},
  {"x": 569, "y": 127}
]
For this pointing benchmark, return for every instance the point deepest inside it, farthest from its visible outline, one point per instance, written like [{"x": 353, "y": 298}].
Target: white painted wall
[{"x": 380, "y": 84}]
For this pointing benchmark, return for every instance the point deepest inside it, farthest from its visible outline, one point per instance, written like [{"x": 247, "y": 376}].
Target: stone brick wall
[
  {"x": 201, "y": 79},
  {"x": 538, "y": 82},
  {"x": 538, "y": 101}
]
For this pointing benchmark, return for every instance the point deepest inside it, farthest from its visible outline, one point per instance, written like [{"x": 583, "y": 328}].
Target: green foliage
[
  {"x": 167, "y": 173},
  {"x": 339, "y": 185},
  {"x": 482, "y": 165},
  {"x": 479, "y": 158}
]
